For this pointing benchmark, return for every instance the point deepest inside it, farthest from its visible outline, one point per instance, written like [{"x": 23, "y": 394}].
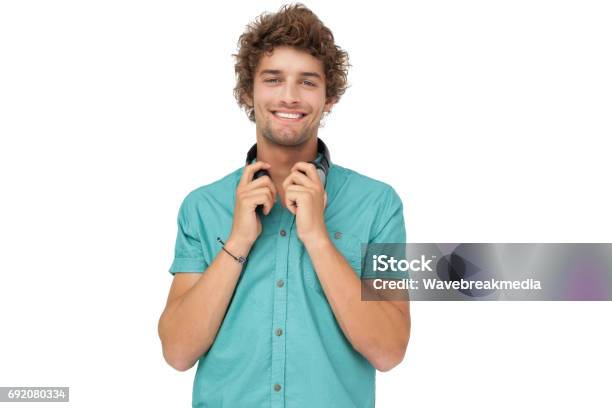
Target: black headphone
[{"x": 322, "y": 165}]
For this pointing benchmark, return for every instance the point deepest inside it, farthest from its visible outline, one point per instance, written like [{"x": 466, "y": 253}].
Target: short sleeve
[
  {"x": 389, "y": 229},
  {"x": 389, "y": 226},
  {"x": 188, "y": 252}
]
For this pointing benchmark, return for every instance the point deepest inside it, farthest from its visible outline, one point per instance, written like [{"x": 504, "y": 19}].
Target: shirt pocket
[{"x": 347, "y": 244}]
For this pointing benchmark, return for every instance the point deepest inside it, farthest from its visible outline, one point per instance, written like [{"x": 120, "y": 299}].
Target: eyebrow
[{"x": 278, "y": 72}]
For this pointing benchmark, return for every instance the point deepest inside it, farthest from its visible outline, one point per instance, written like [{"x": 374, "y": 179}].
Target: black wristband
[{"x": 240, "y": 259}]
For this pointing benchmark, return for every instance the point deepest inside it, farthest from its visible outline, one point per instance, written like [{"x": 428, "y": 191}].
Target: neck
[{"x": 282, "y": 158}]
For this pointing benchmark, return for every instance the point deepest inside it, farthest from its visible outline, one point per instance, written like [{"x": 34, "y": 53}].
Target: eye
[
  {"x": 271, "y": 80},
  {"x": 309, "y": 83}
]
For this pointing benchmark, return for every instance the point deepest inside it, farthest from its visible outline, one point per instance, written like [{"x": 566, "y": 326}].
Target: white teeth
[{"x": 288, "y": 115}]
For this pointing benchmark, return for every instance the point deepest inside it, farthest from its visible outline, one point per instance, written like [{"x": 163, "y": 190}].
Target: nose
[{"x": 290, "y": 94}]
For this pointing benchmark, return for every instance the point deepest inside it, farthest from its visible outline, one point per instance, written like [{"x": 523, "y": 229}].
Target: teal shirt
[{"x": 279, "y": 344}]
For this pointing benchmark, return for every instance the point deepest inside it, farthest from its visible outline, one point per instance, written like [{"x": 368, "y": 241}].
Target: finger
[
  {"x": 308, "y": 168},
  {"x": 298, "y": 178},
  {"x": 251, "y": 169},
  {"x": 269, "y": 202},
  {"x": 258, "y": 196},
  {"x": 294, "y": 195},
  {"x": 261, "y": 190},
  {"x": 298, "y": 189},
  {"x": 261, "y": 182},
  {"x": 263, "y": 199},
  {"x": 264, "y": 181},
  {"x": 291, "y": 203}
]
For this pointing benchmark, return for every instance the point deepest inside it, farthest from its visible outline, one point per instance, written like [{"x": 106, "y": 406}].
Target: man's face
[{"x": 289, "y": 96}]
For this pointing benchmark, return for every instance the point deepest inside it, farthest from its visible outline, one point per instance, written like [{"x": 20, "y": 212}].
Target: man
[{"x": 287, "y": 327}]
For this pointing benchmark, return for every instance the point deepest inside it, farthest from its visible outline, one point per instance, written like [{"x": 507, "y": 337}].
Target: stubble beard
[{"x": 288, "y": 137}]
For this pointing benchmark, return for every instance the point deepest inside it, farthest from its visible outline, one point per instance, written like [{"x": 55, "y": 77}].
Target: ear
[
  {"x": 246, "y": 98},
  {"x": 328, "y": 105}
]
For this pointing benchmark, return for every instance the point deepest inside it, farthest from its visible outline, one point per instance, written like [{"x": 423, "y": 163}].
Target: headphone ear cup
[
  {"x": 320, "y": 172},
  {"x": 322, "y": 175}
]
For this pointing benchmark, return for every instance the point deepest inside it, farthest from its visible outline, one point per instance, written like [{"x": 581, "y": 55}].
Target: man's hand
[
  {"x": 250, "y": 193},
  {"x": 306, "y": 198}
]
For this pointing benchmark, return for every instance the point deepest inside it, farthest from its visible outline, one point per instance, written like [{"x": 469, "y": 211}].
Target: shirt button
[
  {"x": 280, "y": 283},
  {"x": 338, "y": 235},
  {"x": 279, "y": 332},
  {"x": 277, "y": 387},
  {"x": 283, "y": 233}
]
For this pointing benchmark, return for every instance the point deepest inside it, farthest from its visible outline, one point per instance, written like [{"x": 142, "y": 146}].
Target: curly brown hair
[{"x": 296, "y": 26}]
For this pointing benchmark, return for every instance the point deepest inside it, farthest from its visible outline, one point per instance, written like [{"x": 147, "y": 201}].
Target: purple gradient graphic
[
  {"x": 585, "y": 278},
  {"x": 500, "y": 271}
]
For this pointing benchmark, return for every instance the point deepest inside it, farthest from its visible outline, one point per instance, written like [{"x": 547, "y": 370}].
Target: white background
[{"x": 491, "y": 119}]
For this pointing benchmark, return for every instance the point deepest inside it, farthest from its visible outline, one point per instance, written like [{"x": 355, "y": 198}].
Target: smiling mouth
[{"x": 289, "y": 116}]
